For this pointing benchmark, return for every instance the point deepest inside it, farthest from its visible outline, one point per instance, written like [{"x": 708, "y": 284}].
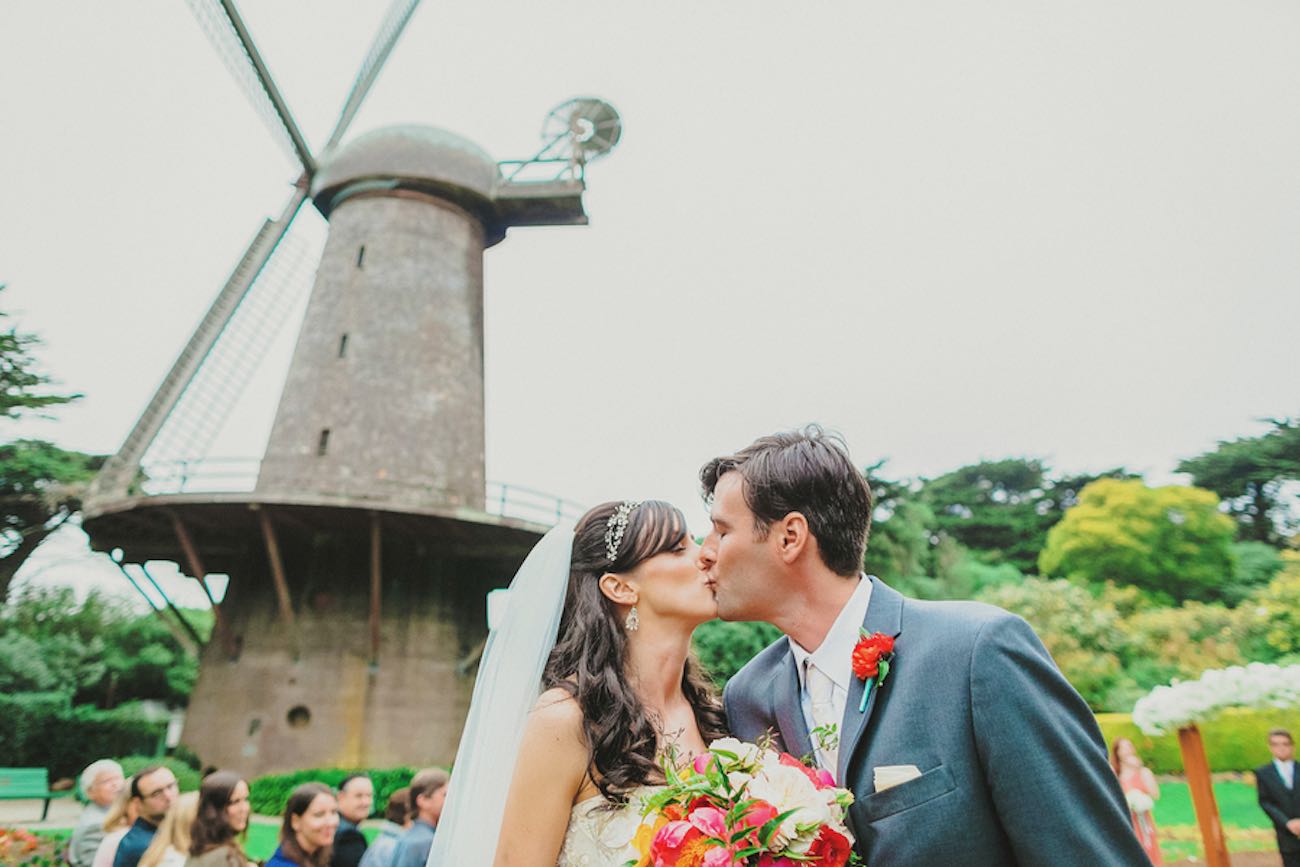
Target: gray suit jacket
[{"x": 1013, "y": 767}]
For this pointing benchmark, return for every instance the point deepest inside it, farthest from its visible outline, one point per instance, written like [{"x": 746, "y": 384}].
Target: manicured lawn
[
  {"x": 263, "y": 838},
  {"x": 1237, "y": 805}
]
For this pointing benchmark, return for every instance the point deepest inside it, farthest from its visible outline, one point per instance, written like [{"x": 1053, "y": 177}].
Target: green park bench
[{"x": 28, "y": 784}]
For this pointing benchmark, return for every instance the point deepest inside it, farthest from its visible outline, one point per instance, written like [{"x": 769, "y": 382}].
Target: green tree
[
  {"x": 22, "y": 384},
  {"x": 1172, "y": 541},
  {"x": 95, "y": 650},
  {"x": 41, "y": 486},
  {"x": 1002, "y": 510},
  {"x": 1250, "y": 474}
]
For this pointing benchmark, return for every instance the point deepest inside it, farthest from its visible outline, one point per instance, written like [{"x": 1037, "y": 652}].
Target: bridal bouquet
[
  {"x": 745, "y": 805},
  {"x": 1139, "y": 802}
]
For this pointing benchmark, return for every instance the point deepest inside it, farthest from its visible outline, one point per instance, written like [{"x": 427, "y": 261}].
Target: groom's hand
[{"x": 1293, "y": 825}]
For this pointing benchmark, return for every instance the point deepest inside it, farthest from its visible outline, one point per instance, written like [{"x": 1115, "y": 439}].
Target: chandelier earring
[{"x": 633, "y": 622}]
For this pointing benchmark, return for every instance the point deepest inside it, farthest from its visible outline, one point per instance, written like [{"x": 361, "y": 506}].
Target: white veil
[{"x": 509, "y": 681}]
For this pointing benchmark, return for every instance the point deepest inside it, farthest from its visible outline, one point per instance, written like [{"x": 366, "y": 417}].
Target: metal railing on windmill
[{"x": 361, "y": 547}]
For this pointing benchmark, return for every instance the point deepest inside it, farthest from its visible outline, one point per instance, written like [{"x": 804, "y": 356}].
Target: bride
[{"x": 552, "y": 779}]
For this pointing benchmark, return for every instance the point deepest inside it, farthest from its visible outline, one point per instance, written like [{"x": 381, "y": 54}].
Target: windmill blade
[
  {"x": 186, "y": 437},
  {"x": 394, "y": 23},
  {"x": 225, "y": 29},
  {"x": 119, "y": 471}
]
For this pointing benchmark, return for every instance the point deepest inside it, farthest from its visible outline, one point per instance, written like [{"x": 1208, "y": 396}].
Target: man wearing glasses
[{"x": 153, "y": 791}]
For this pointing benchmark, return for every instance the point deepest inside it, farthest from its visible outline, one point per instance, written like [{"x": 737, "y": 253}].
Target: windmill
[{"x": 360, "y": 557}]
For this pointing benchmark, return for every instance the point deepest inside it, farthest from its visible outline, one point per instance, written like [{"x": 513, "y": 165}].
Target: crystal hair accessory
[{"x": 617, "y": 526}]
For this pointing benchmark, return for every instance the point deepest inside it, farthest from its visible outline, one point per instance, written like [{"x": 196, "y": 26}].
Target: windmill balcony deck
[{"x": 216, "y": 499}]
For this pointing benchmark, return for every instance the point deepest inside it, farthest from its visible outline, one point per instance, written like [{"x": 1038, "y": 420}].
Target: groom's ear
[
  {"x": 792, "y": 537},
  {"x": 617, "y": 590}
]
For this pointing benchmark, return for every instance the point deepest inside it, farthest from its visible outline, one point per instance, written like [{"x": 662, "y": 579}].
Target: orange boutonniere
[{"x": 871, "y": 657}]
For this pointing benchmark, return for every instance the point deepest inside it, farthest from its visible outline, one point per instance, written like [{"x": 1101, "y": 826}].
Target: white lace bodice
[{"x": 601, "y": 838}]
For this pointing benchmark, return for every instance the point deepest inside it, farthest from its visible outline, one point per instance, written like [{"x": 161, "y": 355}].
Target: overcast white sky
[{"x": 951, "y": 231}]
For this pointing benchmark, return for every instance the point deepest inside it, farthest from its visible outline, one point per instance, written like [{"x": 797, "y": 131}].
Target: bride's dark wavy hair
[{"x": 589, "y": 657}]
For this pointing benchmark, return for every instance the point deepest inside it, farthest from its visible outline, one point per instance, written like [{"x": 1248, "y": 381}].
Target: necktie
[{"x": 821, "y": 696}]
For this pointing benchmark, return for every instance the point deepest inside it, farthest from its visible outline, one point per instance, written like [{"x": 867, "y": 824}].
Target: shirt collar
[{"x": 834, "y": 656}]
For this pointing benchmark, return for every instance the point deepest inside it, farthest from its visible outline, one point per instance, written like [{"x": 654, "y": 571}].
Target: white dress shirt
[
  {"x": 834, "y": 658},
  {"x": 1286, "y": 770}
]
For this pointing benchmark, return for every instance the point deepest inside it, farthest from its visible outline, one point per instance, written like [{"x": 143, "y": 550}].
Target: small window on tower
[
  {"x": 324, "y": 444},
  {"x": 343, "y": 346},
  {"x": 361, "y": 255}
]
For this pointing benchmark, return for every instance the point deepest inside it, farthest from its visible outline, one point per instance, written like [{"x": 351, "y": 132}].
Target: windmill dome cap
[{"x": 413, "y": 153}]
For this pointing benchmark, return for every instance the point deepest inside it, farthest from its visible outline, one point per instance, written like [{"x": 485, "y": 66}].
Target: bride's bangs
[{"x": 657, "y": 527}]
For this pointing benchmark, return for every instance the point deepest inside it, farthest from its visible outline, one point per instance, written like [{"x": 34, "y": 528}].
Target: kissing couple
[{"x": 974, "y": 750}]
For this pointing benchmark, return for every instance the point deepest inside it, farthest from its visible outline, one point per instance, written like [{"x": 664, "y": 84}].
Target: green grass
[
  {"x": 264, "y": 837},
  {"x": 1237, "y": 805}
]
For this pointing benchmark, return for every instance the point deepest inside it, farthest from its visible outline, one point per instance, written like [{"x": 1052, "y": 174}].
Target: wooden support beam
[
  {"x": 1197, "y": 768},
  {"x": 376, "y": 583},
  {"x": 190, "y": 647},
  {"x": 184, "y": 621},
  {"x": 195, "y": 564},
  {"x": 278, "y": 576}
]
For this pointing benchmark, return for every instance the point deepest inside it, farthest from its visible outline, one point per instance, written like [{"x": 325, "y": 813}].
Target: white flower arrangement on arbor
[{"x": 1184, "y": 703}]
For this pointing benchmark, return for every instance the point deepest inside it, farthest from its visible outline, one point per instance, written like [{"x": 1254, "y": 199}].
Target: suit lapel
[
  {"x": 884, "y": 614},
  {"x": 787, "y": 709}
]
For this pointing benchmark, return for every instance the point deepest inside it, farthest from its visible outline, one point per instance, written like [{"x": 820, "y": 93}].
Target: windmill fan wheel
[{"x": 591, "y": 127}]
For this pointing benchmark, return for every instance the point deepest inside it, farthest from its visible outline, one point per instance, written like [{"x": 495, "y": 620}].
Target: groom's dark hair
[{"x": 806, "y": 471}]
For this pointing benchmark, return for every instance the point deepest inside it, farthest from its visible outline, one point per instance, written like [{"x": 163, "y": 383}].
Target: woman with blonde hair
[
  {"x": 122, "y": 814},
  {"x": 171, "y": 843}
]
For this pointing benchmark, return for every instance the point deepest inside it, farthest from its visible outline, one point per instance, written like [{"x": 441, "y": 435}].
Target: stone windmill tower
[{"x": 359, "y": 560}]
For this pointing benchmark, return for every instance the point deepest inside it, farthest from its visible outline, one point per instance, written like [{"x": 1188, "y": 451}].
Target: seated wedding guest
[
  {"x": 171, "y": 844},
  {"x": 397, "y": 821},
  {"x": 220, "y": 823},
  {"x": 356, "y": 797},
  {"x": 101, "y": 782},
  {"x": 311, "y": 817},
  {"x": 428, "y": 793},
  {"x": 1141, "y": 792},
  {"x": 1278, "y": 792},
  {"x": 121, "y": 816},
  {"x": 153, "y": 791}
]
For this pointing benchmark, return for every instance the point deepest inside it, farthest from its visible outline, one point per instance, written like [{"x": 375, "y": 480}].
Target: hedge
[
  {"x": 1235, "y": 740},
  {"x": 44, "y": 730},
  {"x": 269, "y": 794},
  {"x": 186, "y": 777}
]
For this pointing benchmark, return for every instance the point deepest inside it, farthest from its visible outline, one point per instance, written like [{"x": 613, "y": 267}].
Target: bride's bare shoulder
[{"x": 556, "y": 712}]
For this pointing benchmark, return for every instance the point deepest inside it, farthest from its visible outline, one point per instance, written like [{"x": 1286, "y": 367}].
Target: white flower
[
  {"x": 1180, "y": 704},
  {"x": 1139, "y": 802},
  {"x": 787, "y": 788},
  {"x": 748, "y": 755}
]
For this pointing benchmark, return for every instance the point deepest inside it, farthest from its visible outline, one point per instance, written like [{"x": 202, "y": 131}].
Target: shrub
[
  {"x": 187, "y": 777},
  {"x": 724, "y": 648},
  {"x": 44, "y": 730},
  {"x": 1235, "y": 740},
  {"x": 270, "y": 793}
]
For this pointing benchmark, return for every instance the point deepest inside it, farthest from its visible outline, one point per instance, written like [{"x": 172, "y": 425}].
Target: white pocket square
[{"x": 887, "y": 776}]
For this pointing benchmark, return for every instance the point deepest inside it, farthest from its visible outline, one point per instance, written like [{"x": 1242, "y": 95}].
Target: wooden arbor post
[{"x": 1207, "y": 809}]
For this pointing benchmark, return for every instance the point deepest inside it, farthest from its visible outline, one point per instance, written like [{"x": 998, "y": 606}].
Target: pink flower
[
  {"x": 819, "y": 777},
  {"x": 702, "y": 762},
  {"x": 767, "y": 860},
  {"x": 718, "y": 858},
  {"x": 670, "y": 836},
  {"x": 711, "y": 821}
]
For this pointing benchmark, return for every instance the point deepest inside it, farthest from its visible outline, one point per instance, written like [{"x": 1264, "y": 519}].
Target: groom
[{"x": 974, "y": 750}]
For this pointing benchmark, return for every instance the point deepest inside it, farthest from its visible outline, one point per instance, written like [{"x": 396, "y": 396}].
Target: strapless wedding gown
[{"x": 602, "y": 838}]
